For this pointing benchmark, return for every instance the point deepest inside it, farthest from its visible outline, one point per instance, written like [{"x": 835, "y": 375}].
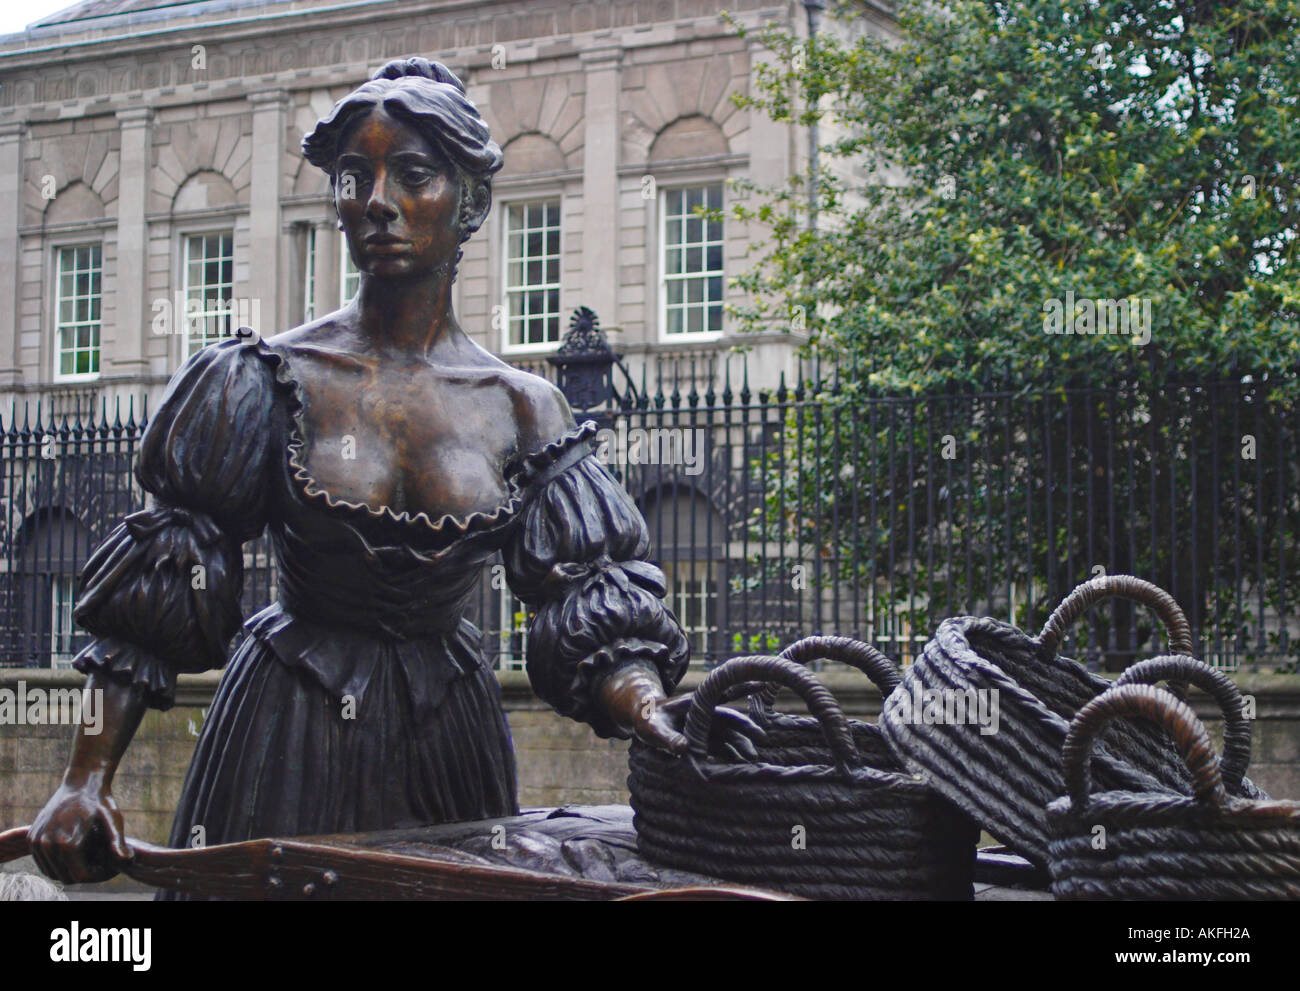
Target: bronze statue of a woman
[{"x": 389, "y": 456}]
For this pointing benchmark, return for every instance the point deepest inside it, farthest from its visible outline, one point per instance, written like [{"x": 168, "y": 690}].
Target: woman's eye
[
  {"x": 351, "y": 179},
  {"x": 414, "y": 177}
]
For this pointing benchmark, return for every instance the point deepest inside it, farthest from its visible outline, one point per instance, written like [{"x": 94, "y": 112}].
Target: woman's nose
[{"x": 378, "y": 206}]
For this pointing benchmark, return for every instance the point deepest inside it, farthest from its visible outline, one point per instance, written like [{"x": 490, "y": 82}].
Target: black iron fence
[{"x": 825, "y": 507}]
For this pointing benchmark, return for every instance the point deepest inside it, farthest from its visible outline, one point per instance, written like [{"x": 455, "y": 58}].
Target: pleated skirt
[{"x": 279, "y": 755}]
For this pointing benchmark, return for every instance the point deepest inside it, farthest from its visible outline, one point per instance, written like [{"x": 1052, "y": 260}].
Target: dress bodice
[
  {"x": 393, "y": 574},
  {"x": 365, "y": 593}
]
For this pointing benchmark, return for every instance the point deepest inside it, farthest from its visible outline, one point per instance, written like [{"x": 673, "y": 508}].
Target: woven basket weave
[
  {"x": 838, "y": 828},
  {"x": 1178, "y": 670},
  {"x": 794, "y": 739},
  {"x": 1143, "y": 845},
  {"x": 1004, "y": 780}
]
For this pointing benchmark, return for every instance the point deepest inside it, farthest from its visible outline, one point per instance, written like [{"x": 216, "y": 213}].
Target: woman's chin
[{"x": 403, "y": 268}]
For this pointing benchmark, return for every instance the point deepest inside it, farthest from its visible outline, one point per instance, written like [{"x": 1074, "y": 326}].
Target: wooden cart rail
[{"x": 296, "y": 870}]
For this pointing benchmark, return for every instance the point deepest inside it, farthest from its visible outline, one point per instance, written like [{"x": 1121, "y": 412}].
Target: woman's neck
[{"x": 408, "y": 317}]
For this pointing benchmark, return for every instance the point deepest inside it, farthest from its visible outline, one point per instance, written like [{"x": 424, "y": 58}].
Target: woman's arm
[
  {"x": 79, "y": 833},
  {"x": 161, "y": 593}
]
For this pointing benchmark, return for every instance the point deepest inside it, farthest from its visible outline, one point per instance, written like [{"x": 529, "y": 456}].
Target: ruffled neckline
[{"x": 520, "y": 473}]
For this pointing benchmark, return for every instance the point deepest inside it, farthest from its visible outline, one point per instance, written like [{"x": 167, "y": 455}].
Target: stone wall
[{"x": 560, "y": 761}]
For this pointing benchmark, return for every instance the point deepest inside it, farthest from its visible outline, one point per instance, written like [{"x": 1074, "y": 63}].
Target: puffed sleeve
[
  {"x": 579, "y": 560},
  {"x": 161, "y": 594}
]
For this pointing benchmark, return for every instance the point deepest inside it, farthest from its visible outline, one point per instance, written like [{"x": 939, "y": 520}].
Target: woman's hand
[
  {"x": 79, "y": 836},
  {"x": 634, "y": 698}
]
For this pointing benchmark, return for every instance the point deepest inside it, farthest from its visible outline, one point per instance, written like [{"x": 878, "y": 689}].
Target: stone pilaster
[
  {"x": 600, "y": 183},
  {"x": 265, "y": 243},
  {"x": 327, "y": 266},
  {"x": 127, "y": 352},
  {"x": 11, "y": 210}
]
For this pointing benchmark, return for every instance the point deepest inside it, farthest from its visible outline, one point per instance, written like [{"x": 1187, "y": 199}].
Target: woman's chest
[{"x": 410, "y": 440}]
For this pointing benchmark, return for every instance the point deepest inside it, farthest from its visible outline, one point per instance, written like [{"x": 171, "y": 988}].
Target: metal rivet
[
  {"x": 309, "y": 889},
  {"x": 275, "y": 882},
  {"x": 330, "y": 878},
  {"x": 277, "y": 853}
]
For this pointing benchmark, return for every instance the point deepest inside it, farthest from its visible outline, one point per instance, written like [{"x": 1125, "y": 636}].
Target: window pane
[
  {"x": 531, "y": 269},
  {"x": 77, "y": 307}
]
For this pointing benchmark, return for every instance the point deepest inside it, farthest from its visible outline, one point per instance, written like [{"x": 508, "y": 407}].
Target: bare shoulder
[
  {"x": 542, "y": 414},
  {"x": 321, "y": 330}
]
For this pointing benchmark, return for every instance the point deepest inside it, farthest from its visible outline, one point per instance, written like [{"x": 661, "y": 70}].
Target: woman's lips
[{"x": 383, "y": 240}]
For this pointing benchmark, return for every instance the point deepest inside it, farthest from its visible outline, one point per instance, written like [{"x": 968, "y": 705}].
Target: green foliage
[
  {"x": 1003, "y": 153},
  {"x": 995, "y": 157},
  {"x": 757, "y": 643}
]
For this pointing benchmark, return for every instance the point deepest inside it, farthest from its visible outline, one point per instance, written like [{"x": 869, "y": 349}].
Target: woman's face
[{"x": 398, "y": 199}]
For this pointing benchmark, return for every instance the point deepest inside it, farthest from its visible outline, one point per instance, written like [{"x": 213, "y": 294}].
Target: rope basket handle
[
  {"x": 1236, "y": 727},
  {"x": 882, "y": 671},
  {"x": 821, "y": 703},
  {"x": 1160, "y": 707},
  {"x": 1093, "y": 591}
]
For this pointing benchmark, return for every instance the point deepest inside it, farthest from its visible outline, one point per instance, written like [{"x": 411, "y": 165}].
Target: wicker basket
[
  {"x": 1143, "y": 845},
  {"x": 794, "y": 739},
  {"x": 838, "y": 828},
  {"x": 1178, "y": 670},
  {"x": 1004, "y": 779}
]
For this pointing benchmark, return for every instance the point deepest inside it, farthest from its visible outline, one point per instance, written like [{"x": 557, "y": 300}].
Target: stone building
[
  {"x": 155, "y": 199},
  {"x": 155, "y": 194}
]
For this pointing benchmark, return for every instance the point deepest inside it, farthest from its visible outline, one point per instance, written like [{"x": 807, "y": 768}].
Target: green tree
[{"x": 989, "y": 165}]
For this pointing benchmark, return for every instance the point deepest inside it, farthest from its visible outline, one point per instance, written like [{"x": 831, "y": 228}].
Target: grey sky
[{"x": 17, "y": 14}]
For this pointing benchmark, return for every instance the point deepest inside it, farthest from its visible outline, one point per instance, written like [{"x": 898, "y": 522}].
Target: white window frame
[
  {"x": 187, "y": 238},
  {"x": 63, "y": 629},
  {"x": 661, "y": 224},
  {"x": 59, "y": 325},
  {"x": 507, "y": 342},
  {"x": 694, "y": 581},
  {"x": 513, "y": 620},
  {"x": 309, "y": 276},
  {"x": 346, "y": 270}
]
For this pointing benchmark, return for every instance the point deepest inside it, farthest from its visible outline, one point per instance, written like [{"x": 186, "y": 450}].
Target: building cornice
[
  {"x": 347, "y": 14},
  {"x": 595, "y": 46}
]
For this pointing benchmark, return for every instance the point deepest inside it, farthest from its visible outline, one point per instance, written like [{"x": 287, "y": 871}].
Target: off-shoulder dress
[{"x": 360, "y": 699}]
